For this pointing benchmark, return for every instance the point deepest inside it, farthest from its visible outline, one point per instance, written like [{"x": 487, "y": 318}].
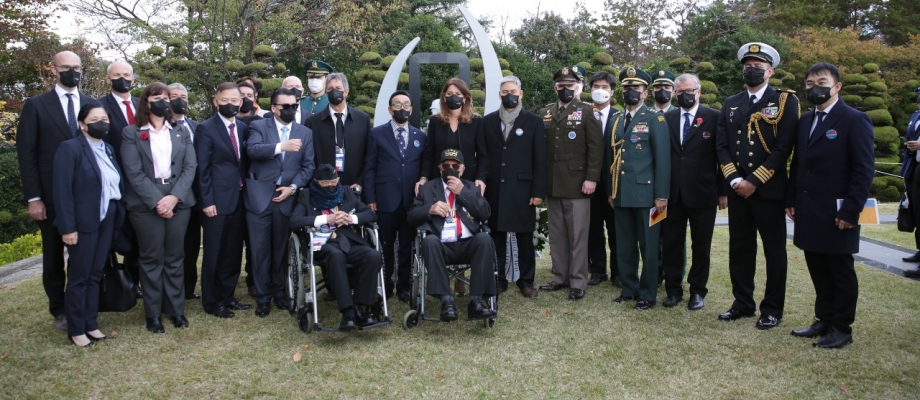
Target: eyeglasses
[
  {"x": 287, "y": 106},
  {"x": 328, "y": 183},
  {"x": 75, "y": 68},
  {"x": 688, "y": 91},
  {"x": 316, "y": 76},
  {"x": 453, "y": 166},
  {"x": 404, "y": 106}
]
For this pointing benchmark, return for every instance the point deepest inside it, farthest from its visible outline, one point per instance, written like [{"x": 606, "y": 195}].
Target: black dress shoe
[
  {"x": 616, "y": 282},
  {"x": 192, "y": 296},
  {"x": 767, "y": 322},
  {"x": 671, "y": 301},
  {"x": 362, "y": 318},
  {"x": 236, "y": 305},
  {"x": 263, "y": 309},
  {"x": 624, "y": 298},
  {"x": 448, "y": 310},
  {"x": 476, "y": 310},
  {"x": 404, "y": 296},
  {"x": 180, "y": 322},
  {"x": 734, "y": 314},
  {"x": 834, "y": 339},
  {"x": 348, "y": 321},
  {"x": 913, "y": 258},
  {"x": 912, "y": 273},
  {"x": 138, "y": 293},
  {"x": 819, "y": 328},
  {"x": 696, "y": 302},
  {"x": 596, "y": 279},
  {"x": 223, "y": 312},
  {"x": 644, "y": 305},
  {"x": 282, "y": 303},
  {"x": 553, "y": 286},
  {"x": 155, "y": 325},
  {"x": 329, "y": 296},
  {"x": 576, "y": 294}
]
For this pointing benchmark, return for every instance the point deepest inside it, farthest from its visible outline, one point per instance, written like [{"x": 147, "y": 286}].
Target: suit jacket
[
  {"x": 836, "y": 162},
  {"x": 573, "y": 148},
  {"x": 192, "y": 125},
  {"x": 472, "y": 146},
  {"x": 117, "y": 121},
  {"x": 357, "y": 127},
  {"x": 219, "y": 173},
  {"x": 759, "y": 158},
  {"x": 695, "y": 174},
  {"x": 265, "y": 167},
  {"x": 141, "y": 193},
  {"x": 389, "y": 179},
  {"x": 517, "y": 170},
  {"x": 644, "y": 173},
  {"x": 78, "y": 185},
  {"x": 909, "y": 163},
  {"x": 42, "y": 128},
  {"x": 473, "y": 209},
  {"x": 305, "y": 214}
]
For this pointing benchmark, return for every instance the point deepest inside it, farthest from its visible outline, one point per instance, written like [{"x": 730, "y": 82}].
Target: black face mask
[
  {"x": 454, "y": 102},
  {"x": 228, "y": 110},
  {"x": 510, "y": 101},
  {"x": 121, "y": 85},
  {"x": 159, "y": 108},
  {"x": 565, "y": 95},
  {"x": 247, "y": 106},
  {"x": 663, "y": 96},
  {"x": 331, "y": 189},
  {"x": 449, "y": 172},
  {"x": 178, "y": 106},
  {"x": 97, "y": 129},
  {"x": 686, "y": 100},
  {"x": 401, "y": 116},
  {"x": 70, "y": 78},
  {"x": 336, "y": 97},
  {"x": 631, "y": 97},
  {"x": 818, "y": 95},
  {"x": 297, "y": 93},
  {"x": 753, "y": 77},
  {"x": 287, "y": 115}
]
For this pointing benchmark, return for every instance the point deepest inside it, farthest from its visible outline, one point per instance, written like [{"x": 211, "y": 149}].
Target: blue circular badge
[
  {"x": 831, "y": 134},
  {"x": 416, "y": 143},
  {"x": 572, "y": 135},
  {"x": 634, "y": 138},
  {"x": 519, "y": 132}
]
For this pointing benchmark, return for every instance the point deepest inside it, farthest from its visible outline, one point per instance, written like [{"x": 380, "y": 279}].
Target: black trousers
[
  {"x": 54, "y": 279},
  {"x": 335, "y": 264},
  {"x": 393, "y": 226},
  {"x": 527, "y": 261},
  {"x": 836, "y": 288},
  {"x": 223, "y": 255},
  {"x": 132, "y": 259},
  {"x": 269, "y": 233},
  {"x": 478, "y": 251},
  {"x": 192, "y": 250},
  {"x": 602, "y": 216},
  {"x": 84, "y": 275},
  {"x": 913, "y": 190},
  {"x": 747, "y": 217},
  {"x": 673, "y": 243}
]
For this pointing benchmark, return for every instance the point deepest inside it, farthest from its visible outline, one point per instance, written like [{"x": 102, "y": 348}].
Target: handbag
[
  {"x": 117, "y": 290},
  {"x": 905, "y": 217}
]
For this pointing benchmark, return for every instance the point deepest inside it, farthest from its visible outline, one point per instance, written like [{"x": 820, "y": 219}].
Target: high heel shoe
[{"x": 84, "y": 346}]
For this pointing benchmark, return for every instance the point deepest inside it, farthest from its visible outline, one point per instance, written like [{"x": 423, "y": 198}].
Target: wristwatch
[{"x": 293, "y": 187}]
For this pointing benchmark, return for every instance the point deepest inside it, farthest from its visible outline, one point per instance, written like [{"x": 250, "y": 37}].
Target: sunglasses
[
  {"x": 453, "y": 166},
  {"x": 287, "y": 106}
]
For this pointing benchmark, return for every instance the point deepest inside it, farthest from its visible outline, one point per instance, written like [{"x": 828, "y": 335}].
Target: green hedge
[
  {"x": 880, "y": 117},
  {"x": 854, "y": 79},
  {"x": 709, "y": 87},
  {"x": 875, "y": 103},
  {"x": 20, "y": 249},
  {"x": 15, "y": 224}
]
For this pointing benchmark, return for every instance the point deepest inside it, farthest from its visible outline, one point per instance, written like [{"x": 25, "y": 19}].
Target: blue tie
[
  {"x": 284, "y": 138},
  {"x": 71, "y": 116},
  {"x": 686, "y": 129},
  {"x": 401, "y": 142}
]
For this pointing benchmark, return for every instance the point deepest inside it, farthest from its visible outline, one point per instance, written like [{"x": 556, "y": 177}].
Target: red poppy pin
[
  {"x": 144, "y": 136},
  {"x": 699, "y": 121}
]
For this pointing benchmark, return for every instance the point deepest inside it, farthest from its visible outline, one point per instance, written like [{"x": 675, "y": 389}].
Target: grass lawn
[{"x": 543, "y": 348}]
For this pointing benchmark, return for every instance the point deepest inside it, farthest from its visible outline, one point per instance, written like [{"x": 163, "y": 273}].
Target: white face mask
[
  {"x": 600, "y": 96},
  {"x": 316, "y": 85}
]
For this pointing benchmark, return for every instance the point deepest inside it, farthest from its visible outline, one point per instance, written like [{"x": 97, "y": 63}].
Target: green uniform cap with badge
[
  {"x": 318, "y": 67},
  {"x": 663, "y": 77},
  {"x": 569, "y": 73},
  {"x": 760, "y": 51},
  {"x": 633, "y": 76}
]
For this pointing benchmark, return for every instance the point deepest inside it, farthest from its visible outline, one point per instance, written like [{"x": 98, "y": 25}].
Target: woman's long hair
[
  {"x": 466, "y": 111},
  {"x": 143, "y": 106}
]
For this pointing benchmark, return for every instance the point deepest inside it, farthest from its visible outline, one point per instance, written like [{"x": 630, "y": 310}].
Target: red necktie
[
  {"x": 451, "y": 198},
  {"x": 129, "y": 112},
  {"x": 236, "y": 149}
]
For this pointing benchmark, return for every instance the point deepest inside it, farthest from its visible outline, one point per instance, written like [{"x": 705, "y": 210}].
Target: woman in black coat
[{"x": 87, "y": 188}]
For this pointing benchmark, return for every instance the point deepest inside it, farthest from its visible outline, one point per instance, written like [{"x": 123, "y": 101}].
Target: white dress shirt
[
  {"x": 124, "y": 108},
  {"x": 605, "y": 113},
  {"x": 62, "y": 94},
  {"x": 236, "y": 132}
]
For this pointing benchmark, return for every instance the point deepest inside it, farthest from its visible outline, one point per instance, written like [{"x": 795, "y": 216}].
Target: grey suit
[{"x": 161, "y": 242}]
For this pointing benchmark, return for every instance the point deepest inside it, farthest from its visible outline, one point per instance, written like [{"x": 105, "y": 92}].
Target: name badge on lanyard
[
  {"x": 321, "y": 236},
  {"x": 339, "y": 159},
  {"x": 449, "y": 231}
]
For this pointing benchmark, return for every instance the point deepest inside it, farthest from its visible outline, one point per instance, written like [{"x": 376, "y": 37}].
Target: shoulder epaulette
[{"x": 790, "y": 91}]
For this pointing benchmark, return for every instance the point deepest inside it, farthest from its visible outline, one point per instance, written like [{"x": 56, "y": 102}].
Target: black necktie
[
  {"x": 628, "y": 118},
  {"x": 753, "y": 99},
  {"x": 339, "y": 130},
  {"x": 72, "y": 116},
  {"x": 401, "y": 142},
  {"x": 686, "y": 129},
  {"x": 819, "y": 116}
]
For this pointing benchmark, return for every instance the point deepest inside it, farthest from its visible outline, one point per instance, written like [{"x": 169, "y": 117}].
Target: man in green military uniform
[
  {"x": 316, "y": 83},
  {"x": 574, "y": 156},
  {"x": 637, "y": 152},
  {"x": 662, "y": 87}
]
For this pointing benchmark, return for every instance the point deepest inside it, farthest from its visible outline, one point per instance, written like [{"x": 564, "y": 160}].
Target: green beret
[
  {"x": 663, "y": 77},
  {"x": 318, "y": 67},
  {"x": 572, "y": 71},
  {"x": 633, "y": 76}
]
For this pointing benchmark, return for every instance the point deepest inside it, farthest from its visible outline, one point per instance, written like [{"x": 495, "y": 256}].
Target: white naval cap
[{"x": 760, "y": 51}]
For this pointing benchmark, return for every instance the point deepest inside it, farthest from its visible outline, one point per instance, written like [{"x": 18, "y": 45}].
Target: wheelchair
[
  {"x": 417, "y": 310},
  {"x": 303, "y": 283}
]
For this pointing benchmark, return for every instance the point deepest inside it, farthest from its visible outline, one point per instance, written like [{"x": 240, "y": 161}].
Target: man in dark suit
[
  {"x": 220, "y": 144},
  {"x": 602, "y": 85},
  {"x": 394, "y": 154},
  {"x": 452, "y": 212},
  {"x": 336, "y": 210},
  {"x": 46, "y": 121},
  {"x": 755, "y": 136},
  {"x": 697, "y": 187},
  {"x": 830, "y": 175},
  {"x": 340, "y": 133},
  {"x": 294, "y": 84},
  {"x": 281, "y": 162},
  {"x": 908, "y": 171},
  {"x": 515, "y": 182}
]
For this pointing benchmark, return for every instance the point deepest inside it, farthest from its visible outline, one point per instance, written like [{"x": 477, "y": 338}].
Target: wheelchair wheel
[
  {"x": 416, "y": 283},
  {"x": 295, "y": 275},
  {"x": 489, "y": 322},
  {"x": 305, "y": 321},
  {"x": 410, "y": 320}
]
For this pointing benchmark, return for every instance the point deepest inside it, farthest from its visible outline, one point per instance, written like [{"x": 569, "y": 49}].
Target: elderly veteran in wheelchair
[
  {"x": 452, "y": 213},
  {"x": 337, "y": 213}
]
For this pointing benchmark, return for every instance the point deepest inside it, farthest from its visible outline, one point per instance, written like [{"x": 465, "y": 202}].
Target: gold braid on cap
[{"x": 617, "y": 158}]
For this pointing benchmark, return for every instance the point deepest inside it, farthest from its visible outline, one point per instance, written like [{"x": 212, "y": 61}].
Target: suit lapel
[
  {"x": 91, "y": 156},
  {"x": 674, "y": 128},
  {"x": 518, "y": 122},
  {"x": 390, "y": 138},
  {"x": 145, "y": 144},
  {"x": 56, "y": 111},
  {"x": 413, "y": 137},
  {"x": 829, "y": 120},
  {"x": 178, "y": 145}
]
